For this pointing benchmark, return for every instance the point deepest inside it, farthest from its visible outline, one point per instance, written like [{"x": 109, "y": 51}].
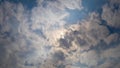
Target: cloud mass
[{"x": 40, "y": 37}]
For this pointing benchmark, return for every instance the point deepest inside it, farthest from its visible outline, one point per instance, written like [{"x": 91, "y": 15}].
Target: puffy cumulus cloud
[
  {"x": 8, "y": 35},
  {"x": 86, "y": 34},
  {"x": 111, "y": 13},
  {"x": 38, "y": 38},
  {"x": 49, "y": 19},
  {"x": 27, "y": 37},
  {"x": 53, "y": 16},
  {"x": 17, "y": 49},
  {"x": 90, "y": 44},
  {"x": 76, "y": 41},
  {"x": 15, "y": 45}
]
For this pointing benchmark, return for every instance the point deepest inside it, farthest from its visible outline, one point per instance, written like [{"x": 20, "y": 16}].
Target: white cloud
[
  {"x": 70, "y": 4},
  {"x": 86, "y": 35},
  {"x": 49, "y": 21},
  {"x": 81, "y": 37},
  {"x": 63, "y": 4}
]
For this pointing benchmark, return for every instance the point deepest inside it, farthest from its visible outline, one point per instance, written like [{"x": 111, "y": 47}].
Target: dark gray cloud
[
  {"x": 59, "y": 56},
  {"x": 65, "y": 43}
]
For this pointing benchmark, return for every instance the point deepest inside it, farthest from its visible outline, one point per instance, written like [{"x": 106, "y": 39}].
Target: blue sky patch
[
  {"x": 93, "y": 5},
  {"x": 75, "y": 15}
]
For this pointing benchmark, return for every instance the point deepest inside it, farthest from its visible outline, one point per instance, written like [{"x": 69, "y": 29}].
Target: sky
[{"x": 59, "y": 33}]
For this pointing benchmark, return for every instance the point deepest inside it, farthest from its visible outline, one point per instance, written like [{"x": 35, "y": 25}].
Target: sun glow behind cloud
[{"x": 52, "y": 18}]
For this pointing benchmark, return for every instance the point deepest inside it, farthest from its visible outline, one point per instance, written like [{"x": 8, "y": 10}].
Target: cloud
[
  {"x": 111, "y": 53},
  {"x": 113, "y": 38},
  {"x": 112, "y": 13},
  {"x": 26, "y": 33},
  {"x": 89, "y": 58},
  {"x": 39, "y": 38},
  {"x": 77, "y": 40},
  {"x": 114, "y": 1},
  {"x": 59, "y": 56},
  {"x": 110, "y": 62},
  {"x": 61, "y": 4},
  {"x": 53, "y": 21},
  {"x": 86, "y": 38},
  {"x": 70, "y": 4},
  {"x": 88, "y": 33},
  {"x": 14, "y": 39}
]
